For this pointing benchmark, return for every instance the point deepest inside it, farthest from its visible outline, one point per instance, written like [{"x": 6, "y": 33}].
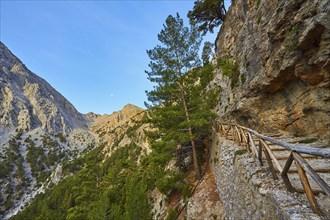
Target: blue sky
[{"x": 92, "y": 52}]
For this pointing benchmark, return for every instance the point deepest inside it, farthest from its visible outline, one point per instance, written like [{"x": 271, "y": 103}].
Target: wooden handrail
[
  {"x": 244, "y": 136},
  {"x": 312, "y": 173},
  {"x": 301, "y": 149}
]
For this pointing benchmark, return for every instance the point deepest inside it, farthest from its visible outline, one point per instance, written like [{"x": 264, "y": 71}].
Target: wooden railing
[{"x": 257, "y": 144}]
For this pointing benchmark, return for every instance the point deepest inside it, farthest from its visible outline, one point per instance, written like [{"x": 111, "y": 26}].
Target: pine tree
[
  {"x": 207, "y": 14},
  {"x": 177, "y": 105},
  {"x": 207, "y": 52}
]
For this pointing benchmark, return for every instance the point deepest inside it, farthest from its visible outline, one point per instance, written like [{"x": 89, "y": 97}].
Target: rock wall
[
  {"x": 115, "y": 129},
  {"x": 118, "y": 118},
  {"x": 248, "y": 190},
  {"x": 282, "y": 51}
]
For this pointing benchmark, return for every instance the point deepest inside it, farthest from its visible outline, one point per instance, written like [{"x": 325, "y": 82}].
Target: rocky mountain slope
[
  {"x": 115, "y": 130},
  {"x": 100, "y": 174},
  {"x": 44, "y": 139},
  {"x": 39, "y": 128},
  {"x": 280, "y": 53},
  {"x": 29, "y": 102}
]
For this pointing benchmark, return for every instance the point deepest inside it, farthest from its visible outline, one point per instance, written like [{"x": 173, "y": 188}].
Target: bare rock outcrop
[
  {"x": 282, "y": 51},
  {"x": 115, "y": 119},
  {"x": 115, "y": 130},
  {"x": 28, "y": 101}
]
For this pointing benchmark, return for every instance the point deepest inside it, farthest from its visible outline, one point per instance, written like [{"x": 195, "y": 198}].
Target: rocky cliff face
[
  {"x": 39, "y": 129},
  {"x": 115, "y": 119},
  {"x": 29, "y": 102},
  {"x": 116, "y": 129},
  {"x": 281, "y": 52}
]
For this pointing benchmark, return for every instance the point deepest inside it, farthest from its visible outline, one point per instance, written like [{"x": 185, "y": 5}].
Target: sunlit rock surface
[{"x": 282, "y": 50}]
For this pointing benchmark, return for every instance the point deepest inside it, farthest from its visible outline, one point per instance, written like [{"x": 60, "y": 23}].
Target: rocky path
[{"x": 320, "y": 165}]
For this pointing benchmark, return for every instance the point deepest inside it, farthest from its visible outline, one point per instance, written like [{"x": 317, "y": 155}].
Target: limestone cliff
[
  {"x": 115, "y": 130},
  {"x": 29, "y": 102},
  {"x": 115, "y": 119},
  {"x": 281, "y": 50},
  {"x": 39, "y": 128}
]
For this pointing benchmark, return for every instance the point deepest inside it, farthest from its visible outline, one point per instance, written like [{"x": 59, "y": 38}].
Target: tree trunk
[
  {"x": 196, "y": 166},
  {"x": 193, "y": 144}
]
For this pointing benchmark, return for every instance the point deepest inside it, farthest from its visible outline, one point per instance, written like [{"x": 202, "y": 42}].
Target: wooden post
[
  {"x": 269, "y": 160},
  {"x": 232, "y": 133},
  {"x": 223, "y": 130},
  {"x": 227, "y": 131},
  {"x": 260, "y": 153},
  {"x": 239, "y": 135},
  {"x": 303, "y": 163},
  {"x": 253, "y": 145},
  {"x": 235, "y": 134},
  {"x": 271, "y": 154},
  {"x": 307, "y": 188},
  {"x": 245, "y": 140},
  {"x": 284, "y": 173}
]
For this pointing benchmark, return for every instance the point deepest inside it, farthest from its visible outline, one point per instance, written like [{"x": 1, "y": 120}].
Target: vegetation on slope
[
  {"x": 22, "y": 154},
  {"x": 116, "y": 188},
  {"x": 119, "y": 186},
  {"x": 181, "y": 102}
]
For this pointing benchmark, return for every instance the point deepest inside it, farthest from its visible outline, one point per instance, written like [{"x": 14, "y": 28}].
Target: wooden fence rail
[{"x": 258, "y": 144}]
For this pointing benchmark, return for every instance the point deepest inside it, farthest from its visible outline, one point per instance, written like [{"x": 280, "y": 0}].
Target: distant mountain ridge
[
  {"x": 116, "y": 118},
  {"x": 28, "y": 101}
]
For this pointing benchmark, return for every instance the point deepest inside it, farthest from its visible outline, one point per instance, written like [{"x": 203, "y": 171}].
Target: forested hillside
[{"x": 118, "y": 179}]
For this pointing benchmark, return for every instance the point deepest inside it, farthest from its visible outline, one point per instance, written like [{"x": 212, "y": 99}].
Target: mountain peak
[
  {"x": 131, "y": 107},
  {"x": 30, "y": 102},
  {"x": 115, "y": 119}
]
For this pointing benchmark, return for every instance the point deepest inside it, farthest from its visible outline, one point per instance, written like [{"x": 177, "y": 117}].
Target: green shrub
[
  {"x": 259, "y": 19},
  {"x": 18, "y": 135},
  {"x": 243, "y": 78},
  {"x": 292, "y": 38},
  {"x": 186, "y": 192},
  {"x": 239, "y": 152},
  {"x": 172, "y": 214},
  {"x": 61, "y": 137},
  {"x": 48, "y": 142},
  {"x": 169, "y": 183},
  {"x": 230, "y": 69}
]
